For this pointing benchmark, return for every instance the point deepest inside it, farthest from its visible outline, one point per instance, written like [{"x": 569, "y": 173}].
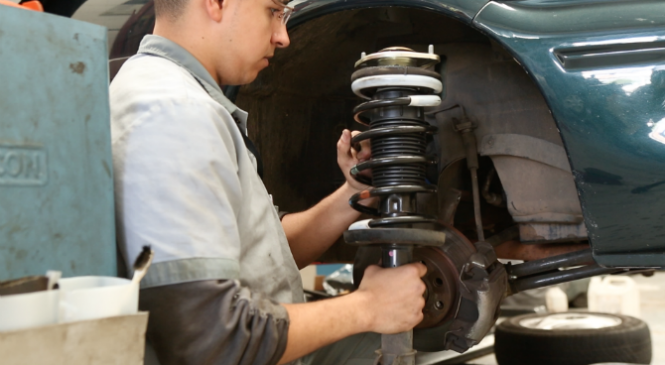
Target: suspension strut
[{"x": 398, "y": 84}]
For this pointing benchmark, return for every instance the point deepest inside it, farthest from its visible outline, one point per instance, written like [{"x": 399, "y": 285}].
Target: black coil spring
[
  {"x": 412, "y": 144},
  {"x": 397, "y": 145}
]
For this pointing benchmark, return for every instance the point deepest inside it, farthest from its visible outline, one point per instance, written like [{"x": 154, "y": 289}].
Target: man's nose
[{"x": 281, "y": 37}]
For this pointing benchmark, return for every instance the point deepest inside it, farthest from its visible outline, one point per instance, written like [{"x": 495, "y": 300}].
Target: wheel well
[{"x": 301, "y": 103}]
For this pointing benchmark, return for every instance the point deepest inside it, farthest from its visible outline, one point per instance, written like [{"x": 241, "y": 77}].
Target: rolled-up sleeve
[{"x": 214, "y": 322}]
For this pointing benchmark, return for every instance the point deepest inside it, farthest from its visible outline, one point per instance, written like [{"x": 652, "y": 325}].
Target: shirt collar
[{"x": 162, "y": 47}]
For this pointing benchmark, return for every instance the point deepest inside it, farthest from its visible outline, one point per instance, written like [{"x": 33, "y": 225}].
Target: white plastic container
[
  {"x": 21, "y": 311},
  {"x": 556, "y": 300},
  {"x": 614, "y": 294},
  {"x": 92, "y": 297}
]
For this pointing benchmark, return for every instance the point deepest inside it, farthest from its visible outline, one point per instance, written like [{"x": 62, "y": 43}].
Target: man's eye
[{"x": 274, "y": 11}]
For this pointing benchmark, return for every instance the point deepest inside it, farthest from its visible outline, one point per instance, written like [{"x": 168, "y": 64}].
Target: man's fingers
[
  {"x": 365, "y": 148},
  {"x": 420, "y": 268},
  {"x": 353, "y": 153},
  {"x": 345, "y": 138},
  {"x": 365, "y": 151},
  {"x": 344, "y": 144},
  {"x": 347, "y": 156},
  {"x": 362, "y": 151}
]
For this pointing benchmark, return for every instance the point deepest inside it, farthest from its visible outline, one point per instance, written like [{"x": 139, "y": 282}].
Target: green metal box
[{"x": 56, "y": 179}]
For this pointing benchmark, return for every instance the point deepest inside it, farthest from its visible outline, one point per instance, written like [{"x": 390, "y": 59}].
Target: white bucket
[
  {"x": 21, "y": 311},
  {"x": 614, "y": 294},
  {"x": 92, "y": 297}
]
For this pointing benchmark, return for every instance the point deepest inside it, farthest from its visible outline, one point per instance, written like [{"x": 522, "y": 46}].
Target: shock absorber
[{"x": 398, "y": 84}]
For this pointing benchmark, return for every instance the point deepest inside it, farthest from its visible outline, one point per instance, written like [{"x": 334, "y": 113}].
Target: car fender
[{"x": 601, "y": 67}]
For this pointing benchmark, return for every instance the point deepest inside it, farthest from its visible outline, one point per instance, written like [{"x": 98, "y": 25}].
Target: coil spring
[
  {"x": 404, "y": 144},
  {"x": 398, "y": 134}
]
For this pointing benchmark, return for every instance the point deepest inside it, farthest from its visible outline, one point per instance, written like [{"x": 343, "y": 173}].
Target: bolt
[{"x": 431, "y": 49}]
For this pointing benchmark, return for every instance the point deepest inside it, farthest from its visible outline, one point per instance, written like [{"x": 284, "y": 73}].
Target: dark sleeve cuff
[{"x": 214, "y": 322}]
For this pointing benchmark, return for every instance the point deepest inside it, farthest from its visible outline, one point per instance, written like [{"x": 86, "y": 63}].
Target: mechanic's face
[{"x": 251, "y": 34}]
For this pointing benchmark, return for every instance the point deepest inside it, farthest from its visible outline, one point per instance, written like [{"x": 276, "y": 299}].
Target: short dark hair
[{"x": 170, "y": 9}]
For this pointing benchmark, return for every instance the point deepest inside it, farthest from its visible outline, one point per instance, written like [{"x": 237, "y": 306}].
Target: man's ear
[{"x": 214, "y": 8}]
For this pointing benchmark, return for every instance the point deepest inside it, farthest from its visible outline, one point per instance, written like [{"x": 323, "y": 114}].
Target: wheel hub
[{"x": 464, "y": 288}]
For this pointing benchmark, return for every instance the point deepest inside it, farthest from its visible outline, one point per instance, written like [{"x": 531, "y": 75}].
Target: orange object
[{"x": 30, "y": 5}]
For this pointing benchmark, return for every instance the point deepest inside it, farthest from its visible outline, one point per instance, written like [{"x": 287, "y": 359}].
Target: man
[{"x": 224, "y": 287}]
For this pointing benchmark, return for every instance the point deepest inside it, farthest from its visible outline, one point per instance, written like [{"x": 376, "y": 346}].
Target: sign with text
[{"x": 22, "y": 165}]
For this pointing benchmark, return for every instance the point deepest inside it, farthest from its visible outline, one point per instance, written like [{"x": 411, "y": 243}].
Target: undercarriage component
[
  {"x": 465, "y": 127},
  {"x": 518, "y": 158},
  {"x": 547, "y": 271},
  {"x": 465, "y": 285},
  {"x": 582, "y": 257},
  {"x": 517, "y": 251},
  {"x": 558, "y": 277},
  {"x": 532, "y": 233},
  {"x": 398, "y": 83},
  {"x": 492, "y": 198},
  {"x": 441, "y": 285},
  {"x": 536, "y": 181}
]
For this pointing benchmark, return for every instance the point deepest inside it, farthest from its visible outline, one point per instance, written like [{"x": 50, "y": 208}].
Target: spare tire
[{"x": 572, "y": 338}]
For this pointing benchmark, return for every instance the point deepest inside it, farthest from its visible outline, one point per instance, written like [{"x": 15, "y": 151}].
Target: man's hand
[
  {"x": 347, "y": 157},
  {"x": 395, "y": 297},
  {"x": 388, "y": 301}
]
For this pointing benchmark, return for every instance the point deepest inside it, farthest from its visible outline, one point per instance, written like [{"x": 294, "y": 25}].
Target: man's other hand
[
  {"x": 394, "y": 297},
  {"x": 347, "y": 157}
]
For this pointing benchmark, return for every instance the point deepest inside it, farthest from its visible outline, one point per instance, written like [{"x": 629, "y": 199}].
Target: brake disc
[{"x": 465, "y": 285}]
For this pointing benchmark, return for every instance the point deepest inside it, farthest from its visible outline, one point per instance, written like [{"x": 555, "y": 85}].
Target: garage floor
[{"x": 652, "y": 298}]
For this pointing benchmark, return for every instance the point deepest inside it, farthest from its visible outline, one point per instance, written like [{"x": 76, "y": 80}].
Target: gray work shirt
[{"x": 186, "y": 184}]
